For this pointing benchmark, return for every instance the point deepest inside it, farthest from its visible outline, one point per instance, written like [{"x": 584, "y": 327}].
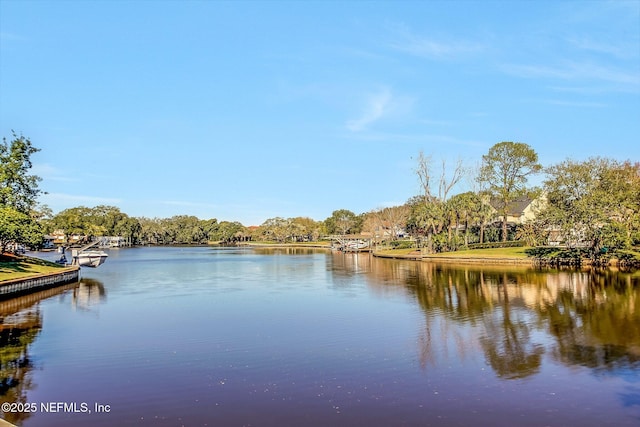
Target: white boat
[
  {"x": 357, "y": 245},
  {"x": 89, "y": 258}
]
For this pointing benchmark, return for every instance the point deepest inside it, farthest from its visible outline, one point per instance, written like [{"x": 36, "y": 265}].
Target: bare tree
[
  {"x": 446, "y": 180},
  {"x": 390, "y": 219},
  {"x": 434, "y": 215}
]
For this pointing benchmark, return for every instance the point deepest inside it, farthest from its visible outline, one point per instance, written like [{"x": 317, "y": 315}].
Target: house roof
[{"x": 515, "y": 208}]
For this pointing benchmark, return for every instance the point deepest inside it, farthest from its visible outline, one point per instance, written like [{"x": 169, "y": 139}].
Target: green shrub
[
  {"x": 627, "y": 259},
  {"x": 402, "y": 244},
  {"x": 492, "y": 245},
  {"x": 542, "y": 251}
]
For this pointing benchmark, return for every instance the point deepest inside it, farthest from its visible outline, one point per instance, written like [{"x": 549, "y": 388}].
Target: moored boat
[{"x": 89, "y": 258}]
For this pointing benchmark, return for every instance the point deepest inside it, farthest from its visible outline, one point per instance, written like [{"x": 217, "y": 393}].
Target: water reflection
[
  {"x": 345, "y": 267},
  {"x": 20, "y": 324},
  {"x": 17, "y": 333},
  {"x": 88, "y": 293},
  {"x": 318, "y": 338},
  {"x": 517, "y": 315},
  {"x": 283, "y": 251}
]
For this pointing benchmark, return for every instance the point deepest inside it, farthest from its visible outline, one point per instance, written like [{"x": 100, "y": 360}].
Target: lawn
[
  {"x": 405, "y": 251},
  {"x": 486, "y": 253},
  {"x": 15, "y": 267},
  {"x": 495, "y": 253}
]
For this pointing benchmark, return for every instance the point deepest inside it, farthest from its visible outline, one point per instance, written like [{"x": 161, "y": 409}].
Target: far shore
[
  {"x": 486, "y": 256},
  {"x": 24, "y": 267},
  {"x": 310, "y": 245},
  {"x": 495, "y": 256}
]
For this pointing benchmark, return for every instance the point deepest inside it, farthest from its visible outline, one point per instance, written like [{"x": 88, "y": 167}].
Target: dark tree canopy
[
  {"x": 596, "y": 201},
  {"x": 18, "y": 189},
  {"x": 505, "y": 169},
  {"x": 18, "y": 228},
  {"x": 18, "y": 194}
]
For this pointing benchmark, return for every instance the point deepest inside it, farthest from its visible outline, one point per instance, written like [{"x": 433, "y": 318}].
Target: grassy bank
[
  {"x": 19, "y": 267},
  {"x": 474, "y": 253},
  {"x": 497, "y": 254},
  {"x": 500, "y": 255},
  {"x": 486, "y": 253}
]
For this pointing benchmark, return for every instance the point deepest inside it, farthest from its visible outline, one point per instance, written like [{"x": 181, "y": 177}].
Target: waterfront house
[
  {"x": 61, "y": 238},
  {"x": 521, "y": 210},
  {"x": 112, "y": 241}
]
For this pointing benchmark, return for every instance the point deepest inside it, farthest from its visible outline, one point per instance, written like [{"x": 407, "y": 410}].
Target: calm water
[{"x": 228, "y": 337}]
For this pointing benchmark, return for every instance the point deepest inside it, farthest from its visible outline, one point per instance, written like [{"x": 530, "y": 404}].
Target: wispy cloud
[
  {"x": 378, "y": 105},
  {"x": 575, "y": 71},
  {"x": 616, "y": 50},
  {"x": 431, "y": 47}
]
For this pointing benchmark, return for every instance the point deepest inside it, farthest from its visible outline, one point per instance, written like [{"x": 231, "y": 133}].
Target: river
[{"x": 198, "y": 336}]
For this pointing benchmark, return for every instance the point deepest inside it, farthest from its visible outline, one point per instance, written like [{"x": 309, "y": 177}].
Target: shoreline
[
  {"x": 284, "y": 245},
  {"x": 409, "y": 256},
  {"x": 458, "y": 259},
  {"x": 533, "y": 262},
  {"x": 449, "y": 259},
  {"x": 25, "y": 285}
]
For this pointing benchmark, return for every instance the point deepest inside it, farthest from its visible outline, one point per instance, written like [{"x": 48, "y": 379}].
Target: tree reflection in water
[
  {"x": 17, "y": 333},
  {"x": 20, "y": 325},
  {"x": 516, "y": 315}
]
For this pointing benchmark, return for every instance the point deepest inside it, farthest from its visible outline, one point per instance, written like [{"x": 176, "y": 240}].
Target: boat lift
[
  {"x": 83, "y": 257},
  {"x": 86, "y": 258}
]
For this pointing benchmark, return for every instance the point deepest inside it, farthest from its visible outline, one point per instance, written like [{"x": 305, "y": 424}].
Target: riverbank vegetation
[{"x": 583, "y": 209}]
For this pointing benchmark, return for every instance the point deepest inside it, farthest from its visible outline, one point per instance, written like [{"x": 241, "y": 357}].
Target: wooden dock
[{"x": 16, "y": 287}]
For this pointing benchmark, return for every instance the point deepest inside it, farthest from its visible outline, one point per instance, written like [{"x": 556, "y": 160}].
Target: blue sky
[{"x": 250, "y": 110}]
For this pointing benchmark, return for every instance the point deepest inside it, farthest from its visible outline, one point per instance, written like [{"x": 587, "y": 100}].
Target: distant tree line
[
  {"x": 110, "y": 221},
  {"x": 594, "y": 204},
  {"x": 184, "y": 229}
]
